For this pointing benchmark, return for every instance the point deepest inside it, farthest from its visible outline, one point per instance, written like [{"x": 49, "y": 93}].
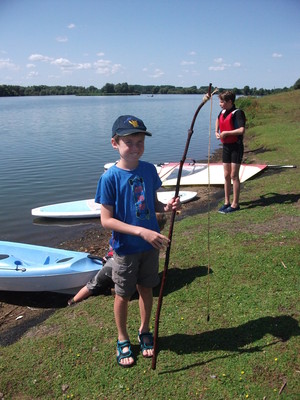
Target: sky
[{"x": 232, "y": 43}]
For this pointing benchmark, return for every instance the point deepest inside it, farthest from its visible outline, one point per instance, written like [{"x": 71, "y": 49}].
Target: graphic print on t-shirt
[{"x": 138, "y": 190}]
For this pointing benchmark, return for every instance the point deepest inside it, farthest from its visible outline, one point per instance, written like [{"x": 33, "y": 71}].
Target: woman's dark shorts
[{"x": 233, "y": 153}]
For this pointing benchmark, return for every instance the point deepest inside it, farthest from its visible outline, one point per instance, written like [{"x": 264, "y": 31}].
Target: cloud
[
  {"x": 157, "y": 73},
  {"x": 66, "y": 65},
  {"x": 39, "y": 57},
  {"x": 217, "y": 68},
  {"x": 192, "y": 53},
  {"x": 222, "y": 65},
  {"x": 71, "y": 26},
  {"x": 30, "y": 65},
  {"x": 106, "y": 67},
  {"x": 153, "y": 72},
  {"x": 276, "y": 55},
  {"x": 62, "y": 39},
  {"x": 62, "y": 62},
  {"x": 100, "y": 54},
  {"x": 32, "y": 74},
  {"x": 187, "y": 63},
  {"x": 7, "y": 64}
]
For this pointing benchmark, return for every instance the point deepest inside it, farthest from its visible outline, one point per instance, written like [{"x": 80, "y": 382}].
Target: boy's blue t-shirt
[{"x": 132, "y": 195}]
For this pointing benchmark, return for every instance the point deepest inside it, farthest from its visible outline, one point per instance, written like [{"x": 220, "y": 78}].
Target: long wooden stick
[{"x": 159, "y": 304}]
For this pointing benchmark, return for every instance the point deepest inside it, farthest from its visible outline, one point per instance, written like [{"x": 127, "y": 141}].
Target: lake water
[{"x": 53, "y": 149}]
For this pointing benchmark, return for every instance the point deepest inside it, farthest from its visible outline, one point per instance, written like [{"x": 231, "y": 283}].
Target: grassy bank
[{"x": 250, "y": 347}]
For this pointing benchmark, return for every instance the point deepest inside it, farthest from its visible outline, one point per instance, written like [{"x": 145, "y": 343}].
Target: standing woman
[{"x": 230, "y": 129}]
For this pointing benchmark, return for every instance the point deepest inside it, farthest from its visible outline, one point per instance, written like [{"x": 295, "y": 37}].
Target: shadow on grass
[
  {"x": 14, "y": 333},
  {"x": 35, "y": 299},
  {"x": 271, "y": 198},
  {"x": 36, "y": 307},
  {"x": 178, "y": 278},
  {"x": 231, "y": 339}
]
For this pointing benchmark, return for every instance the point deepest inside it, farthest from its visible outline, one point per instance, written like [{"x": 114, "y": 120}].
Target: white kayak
[
  {"x": 89, "y": 209},
  {"x": 31, "y": 268}
]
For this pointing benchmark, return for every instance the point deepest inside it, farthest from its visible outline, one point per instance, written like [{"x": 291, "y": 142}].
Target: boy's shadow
[
  {"x": 177, "y": 278},
  {"x": 271, "y": 198},
  {"x": 232, "y": 339}
]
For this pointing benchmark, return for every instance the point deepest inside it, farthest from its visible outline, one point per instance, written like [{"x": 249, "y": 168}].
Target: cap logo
[{"x": 134, "y": 123}]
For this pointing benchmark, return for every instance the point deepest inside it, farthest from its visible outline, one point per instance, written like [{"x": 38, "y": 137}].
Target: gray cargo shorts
[{"x": 135, "y": 269}]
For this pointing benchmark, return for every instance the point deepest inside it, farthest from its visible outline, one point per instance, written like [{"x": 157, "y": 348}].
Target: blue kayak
[{"x": 31, "y": 268}]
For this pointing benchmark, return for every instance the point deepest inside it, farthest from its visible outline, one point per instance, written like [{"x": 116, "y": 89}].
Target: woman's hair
[{"x": 227, "y": 95}]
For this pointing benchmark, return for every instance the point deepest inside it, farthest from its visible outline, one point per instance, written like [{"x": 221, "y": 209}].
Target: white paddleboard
[
  {"x": 89, "y": 209},
  {"x": 72, "y": 209},
  {"x": 185, "y": 196}
]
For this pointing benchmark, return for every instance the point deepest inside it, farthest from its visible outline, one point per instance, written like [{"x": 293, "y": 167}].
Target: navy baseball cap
[{"x": 127, "y": 125}]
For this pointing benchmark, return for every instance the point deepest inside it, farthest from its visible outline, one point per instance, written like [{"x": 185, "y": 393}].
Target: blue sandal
[
  {"x": 146, "y": 345},
  {"x": 124, "y": 354}
]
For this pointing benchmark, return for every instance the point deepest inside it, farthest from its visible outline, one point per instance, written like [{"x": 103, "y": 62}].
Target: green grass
[{"x": 250, "y": 346}]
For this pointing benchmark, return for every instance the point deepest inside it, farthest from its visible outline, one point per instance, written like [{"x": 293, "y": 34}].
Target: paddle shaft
[{"x": 159, "y": 304}]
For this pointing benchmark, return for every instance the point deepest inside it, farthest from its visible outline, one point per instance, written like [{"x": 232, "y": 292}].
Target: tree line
[{"x": 124, "y": 89}]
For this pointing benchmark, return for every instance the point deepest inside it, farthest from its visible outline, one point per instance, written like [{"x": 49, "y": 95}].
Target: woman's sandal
[
  {"x": 146, "y": 344},
  {"x": 124, "y": 354}
]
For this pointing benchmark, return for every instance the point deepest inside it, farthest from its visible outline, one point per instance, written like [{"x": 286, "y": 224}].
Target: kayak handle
[{"x": 95, "y": 258}]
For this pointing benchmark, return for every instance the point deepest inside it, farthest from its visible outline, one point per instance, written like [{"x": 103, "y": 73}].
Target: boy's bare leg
[
  {"x": 227, "y": 183},
  {"x": 120, "y": 311},
  {"x": 235, "y": 169},
  {"x": 82, "y": 294},
  {"x": 145, "y": 305}
]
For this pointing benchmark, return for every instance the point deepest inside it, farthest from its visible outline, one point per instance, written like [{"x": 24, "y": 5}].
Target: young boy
[
  {"x": 230, "y": 128},
  {"x": 127, "y": 194}
]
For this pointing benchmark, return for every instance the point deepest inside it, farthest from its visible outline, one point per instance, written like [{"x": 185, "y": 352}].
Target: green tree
[
  {"x": 297, "y": 84},
  {"x": 108, "y": 88},
  {"x": 246, "y": 90}
]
